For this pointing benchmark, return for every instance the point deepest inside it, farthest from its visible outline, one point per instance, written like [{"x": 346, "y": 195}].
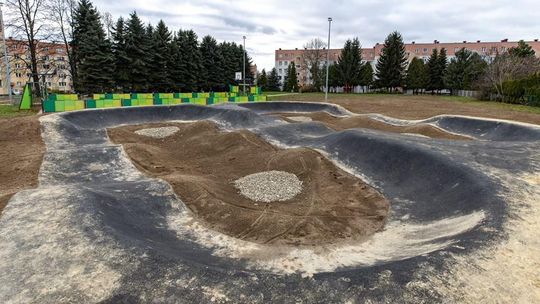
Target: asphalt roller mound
[{"x": 99, "y": 229}]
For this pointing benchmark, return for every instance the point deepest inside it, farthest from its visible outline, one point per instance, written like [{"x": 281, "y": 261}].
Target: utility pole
[
  {"x": 327, "y": 59},
  {"x": 244, "y": 60},
  {"x": 6, "y": 60}
]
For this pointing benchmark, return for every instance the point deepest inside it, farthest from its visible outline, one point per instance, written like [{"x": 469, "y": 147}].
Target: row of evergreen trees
[{"x": 141, "y": 58}]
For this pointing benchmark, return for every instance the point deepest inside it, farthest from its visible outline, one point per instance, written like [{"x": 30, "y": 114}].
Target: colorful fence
[{"x": 70, "y": 102}]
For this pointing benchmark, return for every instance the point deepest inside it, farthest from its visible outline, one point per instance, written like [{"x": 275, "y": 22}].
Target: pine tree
[
  {"x": 229, "y": 64},
  {"x": 80, "y": 26},
  {"x": 392, "y": 62},
  {"x": 137, "y": 52},
  {"x": 95, "y": 60},
  {"x": 175, "y": 65},
  {"x": 291, "y": 83},
  {"x": 436, "y": 67},
  {"x": 190, "y": 55},
  {"x": 273, "y": 81},
  {"x": 349, "y": 64},
  {"x": 262, "y": 81},
  {"x": 212, "y": 63},
  {"x": 464, "y": 70},
  {"x": 417, "y": 77},
  {"x": 160, "y": 57},
  {"x": 122, "y": 70},
  {"x": 522, "y": 50},
  {"x": 366, "y": 75},
  {"x": 433, "y": 71},
  {"x": 443, "y": 64}
]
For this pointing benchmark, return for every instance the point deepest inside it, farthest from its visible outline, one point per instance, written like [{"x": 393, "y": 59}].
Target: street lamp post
[
  {"x": 327, "y": 59},
  {"x": 6, "y": 60},
  {"x": 244, "y": 62}
]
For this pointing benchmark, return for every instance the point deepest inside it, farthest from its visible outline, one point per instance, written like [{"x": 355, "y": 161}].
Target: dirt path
[
  {"x": 201, "y": 162},
  {"x": 21, "y": 153},
  {"x": 418, "y": 107},
  {"x": 338, "y": 124}
]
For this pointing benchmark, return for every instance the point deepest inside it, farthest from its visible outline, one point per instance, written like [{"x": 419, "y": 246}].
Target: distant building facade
[
  {"x": 419, "y": 50},
  {"x": 52, "y": 62}
]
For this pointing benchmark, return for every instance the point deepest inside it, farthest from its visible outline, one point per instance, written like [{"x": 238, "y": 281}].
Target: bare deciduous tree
[
  {"x": 506, "y": 67},
  {"x": 61, "y": 15},
  {"x": 314, "y": 54},
  {"x": 26, "y": 18}
]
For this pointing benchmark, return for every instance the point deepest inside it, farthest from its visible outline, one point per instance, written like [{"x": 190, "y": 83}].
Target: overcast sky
[{"x": 270, "y": 25}]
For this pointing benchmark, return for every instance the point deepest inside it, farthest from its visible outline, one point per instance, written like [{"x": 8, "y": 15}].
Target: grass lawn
[
  {"x": 420, "y": 106},
  {"x": 7, "y": 111}
]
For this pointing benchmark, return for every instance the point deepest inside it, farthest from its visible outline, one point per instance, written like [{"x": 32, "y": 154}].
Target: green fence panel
[
  {"x": 100, "y": 103},
  {"x": 126, "y": 102},
  {"x": 48, "y": 106},
  {"x": 90, "y": 104},
  {"x": 98, "y": 96},
  {"x": 59, "y": 106},
  {"x": 165, "y": 95}
]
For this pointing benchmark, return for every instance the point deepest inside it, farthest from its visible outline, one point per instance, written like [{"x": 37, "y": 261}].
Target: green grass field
[{"x": 7, "y": 111}]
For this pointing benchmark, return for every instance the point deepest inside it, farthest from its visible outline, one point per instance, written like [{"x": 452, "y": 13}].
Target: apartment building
[
  {"x": 420, "y": 50},
  {"x": 52, "y": 63}
]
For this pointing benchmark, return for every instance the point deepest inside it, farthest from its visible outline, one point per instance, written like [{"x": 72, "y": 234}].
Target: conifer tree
[
  {"x": 95, "y": 60},
  {"x": 121, "y": 61},
  {"x": 137, "y": 53},
  {"x": 366, "y": 76},
  {"x": 433, "y": 70},
  {"x": 160, "y": 58},
  {"x": 392, "y": 62},
  {"x": 464, "y": 70},
  {"x": 417, "y": 77},
  {"x": 291, "y": 83},
  {"x": 190, "y": 55},
  {"x": 349, "y": 64},
  {"x": 522, "y": 50},
  {"x": 262, "y": 81},
  {"x": 273, "y": 81},
  {"x": 212, "y": 63},
  {"x": 443, "y": 64}
]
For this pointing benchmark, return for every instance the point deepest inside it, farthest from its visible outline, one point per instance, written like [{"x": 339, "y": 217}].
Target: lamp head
[{"x": 329, "y": 19}]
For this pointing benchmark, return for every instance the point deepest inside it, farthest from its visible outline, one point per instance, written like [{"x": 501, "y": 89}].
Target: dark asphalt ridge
[{"x": 94, "y": 211}]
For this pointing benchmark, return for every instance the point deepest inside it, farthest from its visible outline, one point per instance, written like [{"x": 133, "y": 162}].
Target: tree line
[
  {"x": 126, "y": 55},
  {"x": 494, "y": 75}
]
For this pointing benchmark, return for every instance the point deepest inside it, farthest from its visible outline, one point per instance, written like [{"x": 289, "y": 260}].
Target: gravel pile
[
  {"x": 269, "y": 186},
  {"x": 158, "y": 132}
]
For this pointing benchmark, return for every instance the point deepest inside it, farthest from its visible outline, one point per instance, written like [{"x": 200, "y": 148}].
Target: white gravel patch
[
  {"x": 161, "y": 132},
  {"x": 269, "y": 186}
]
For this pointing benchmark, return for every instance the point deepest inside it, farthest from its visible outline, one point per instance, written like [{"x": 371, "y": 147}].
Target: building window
[
  {"x": 17, "y": 65},
  {"x": 425, "y": 50},
  {"x": 62, "y": 84},
  {"x": 18, "y": 74},
  {"x": 280, "y": 71},
  {"x": 61, "y": 58},
  {"x": 503, "y": 49},
  {"x": 417, "y": 51}
]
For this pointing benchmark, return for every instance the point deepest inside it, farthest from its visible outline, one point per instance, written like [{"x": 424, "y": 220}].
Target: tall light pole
[
  {"x": 327, "y": 59},
  {"x": 6, "y": 60},
  {"x": 244, "y": 60}
]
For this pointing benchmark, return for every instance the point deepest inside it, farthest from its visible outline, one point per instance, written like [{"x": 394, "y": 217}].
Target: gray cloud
[{"x": 270, "y": 25}]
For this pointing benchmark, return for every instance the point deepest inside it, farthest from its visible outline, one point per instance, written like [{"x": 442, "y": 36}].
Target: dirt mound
[
  {"x": 201, "y": 163},
  {"x": 338, "y": 124},
  {"x": 21, "y": 152}
]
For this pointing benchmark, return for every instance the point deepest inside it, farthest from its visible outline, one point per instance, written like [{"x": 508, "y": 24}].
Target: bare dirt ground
[
  {"x": 201, "y": 163},
  {"x": 422, "y": 106},
  {"x": 338, "y": 124},
  {"x": 21, "y": 153}
]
